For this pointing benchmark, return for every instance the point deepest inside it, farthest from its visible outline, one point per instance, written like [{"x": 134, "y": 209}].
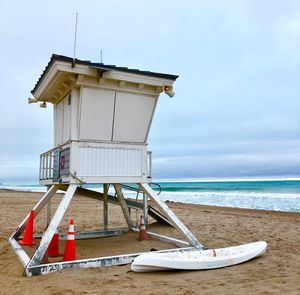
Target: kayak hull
[{"x": 198, "y": 259}]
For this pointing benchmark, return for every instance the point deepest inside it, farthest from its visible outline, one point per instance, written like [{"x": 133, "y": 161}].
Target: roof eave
[{"x": 99, "y": 66}]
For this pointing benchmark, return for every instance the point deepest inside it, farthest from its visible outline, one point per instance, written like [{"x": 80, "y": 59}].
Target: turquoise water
[
  {"x": 281, "y": 195},
  {"x": 266, "y": 195}
]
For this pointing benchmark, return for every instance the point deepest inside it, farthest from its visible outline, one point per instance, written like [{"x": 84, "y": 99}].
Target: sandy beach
[{"x": 276, "y": 272}]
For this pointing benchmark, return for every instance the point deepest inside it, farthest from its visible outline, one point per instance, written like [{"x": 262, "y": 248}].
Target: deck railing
[
  {"x": 149, "y": 164},
  {"x": 47, "y": 164}
]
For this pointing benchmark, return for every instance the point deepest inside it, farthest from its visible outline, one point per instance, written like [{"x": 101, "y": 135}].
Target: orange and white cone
[
  {"x": 143, "y": 236},
  {"x": 53, "y": 248},
  {"x": 70, "y": 252},
  {"x": 28, "y": 234}
]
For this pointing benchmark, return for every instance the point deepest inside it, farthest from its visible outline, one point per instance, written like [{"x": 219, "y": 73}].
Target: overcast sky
[{"x": 236, "y": 112}]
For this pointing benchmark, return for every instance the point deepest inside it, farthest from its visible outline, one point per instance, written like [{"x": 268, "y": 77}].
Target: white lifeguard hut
[{"x": 102, "y": 118}]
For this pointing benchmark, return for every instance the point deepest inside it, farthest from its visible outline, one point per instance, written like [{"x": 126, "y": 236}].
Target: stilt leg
[
  {"x": 37, "y": 208},
  {"x": 48, "y": 210},
  {"x": 57, "y": 217},
  {"x": 105, "y": 206},
  {"x": 170, "y": 215},
  {"x": 145, "y": 209},
  {"x": 123, "y": 205}
]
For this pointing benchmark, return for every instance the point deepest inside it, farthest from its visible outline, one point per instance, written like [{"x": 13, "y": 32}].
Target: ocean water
[
  {"x": 283, "y": 195},
  {"x": 266, "y": 195}
]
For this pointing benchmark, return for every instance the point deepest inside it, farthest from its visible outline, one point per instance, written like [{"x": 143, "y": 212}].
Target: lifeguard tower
[{"x": 102, "y": 119}]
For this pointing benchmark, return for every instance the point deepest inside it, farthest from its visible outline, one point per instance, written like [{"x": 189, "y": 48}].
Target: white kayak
[{"x": 198, "y": 259}]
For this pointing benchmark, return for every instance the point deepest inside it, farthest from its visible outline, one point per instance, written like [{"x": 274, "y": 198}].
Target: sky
[{"x": 236, "y": 111}]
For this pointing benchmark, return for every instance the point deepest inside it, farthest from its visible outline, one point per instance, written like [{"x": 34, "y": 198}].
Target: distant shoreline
[{"x": 215, "y": 207}]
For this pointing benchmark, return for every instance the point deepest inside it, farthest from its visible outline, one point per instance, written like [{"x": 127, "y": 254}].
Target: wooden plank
[
  {"x": 48, "y": 216},
  {"x": 165, "y": 239},
  {"x": 158, "y": 216},
  {"x": 145, "y": 209},
  {"x": 171, "y": 216},
  {"x": 57, "y": 217},
  {"x": 105, "y": 206},
  {"x": 91, "y": 234},
  {"x": 96, "y": 234},
  {"x": 93, "y": 262},
  {"x": 123, "y": 205},
  {"x": 22, "y": 255}
]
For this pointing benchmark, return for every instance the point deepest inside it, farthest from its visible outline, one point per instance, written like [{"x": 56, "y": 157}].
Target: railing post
[
  {"x": 40, "y": 172},
  {"x": 47, "y": 166},
  {"x": 149, "y": 153}
]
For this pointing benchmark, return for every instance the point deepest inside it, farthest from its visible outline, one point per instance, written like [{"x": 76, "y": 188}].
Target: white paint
[
  {"x": 96, "y": 114},
  {"x": 198, "y": 260},
  {"x": 58, "y": 123},
  {"x": 66, "y": 119},
  {"x": 108, "y": 161},
  {"x": 62, "y": 121},
  {"x": 170, "y": 216},
  {"x": 56, "y": 219},
  {"x": 133, "y": 113}
]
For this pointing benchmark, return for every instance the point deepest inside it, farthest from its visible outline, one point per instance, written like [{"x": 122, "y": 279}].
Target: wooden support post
[
  {"x": 57, "y": 217},
  {"x": 105, "y": 206},
  {"x": 171, "y": 216},
  {"x": 123, "y": 204},
  {"x": 48, "y": 212},
  {"x": 145, "y": 209},
  {"x": 48, "y": 218}
]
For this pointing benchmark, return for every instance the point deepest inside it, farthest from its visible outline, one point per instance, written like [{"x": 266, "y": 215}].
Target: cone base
[
  {"x": 27, "y": 243},
  {"x": 69, "y": 259},
  {"x": 144, "y": 237},
  {"x": 56, "y": 255}
]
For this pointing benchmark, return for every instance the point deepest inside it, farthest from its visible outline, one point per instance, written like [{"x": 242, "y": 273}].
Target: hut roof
[{"x": 100, "y": 67}]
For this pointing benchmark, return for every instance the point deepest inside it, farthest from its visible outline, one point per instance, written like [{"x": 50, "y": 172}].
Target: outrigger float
[{"x": 102, "y": 119}]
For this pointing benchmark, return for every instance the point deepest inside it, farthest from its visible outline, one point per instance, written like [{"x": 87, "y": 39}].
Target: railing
[
  {"x": 50, "y": 164},
  {"x": 47, "y": 164},
  {"x": 149, "y": 164}
]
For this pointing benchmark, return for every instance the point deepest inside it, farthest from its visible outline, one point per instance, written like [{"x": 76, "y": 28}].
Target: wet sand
[{"x": 276, "y": 272}]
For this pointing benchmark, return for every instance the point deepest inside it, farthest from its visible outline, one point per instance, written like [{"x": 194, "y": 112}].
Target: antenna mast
[{"x": 75, "y": 39}]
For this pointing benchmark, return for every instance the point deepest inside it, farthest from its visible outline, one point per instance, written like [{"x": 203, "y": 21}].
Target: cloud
[{"x": 236, "y": 109}]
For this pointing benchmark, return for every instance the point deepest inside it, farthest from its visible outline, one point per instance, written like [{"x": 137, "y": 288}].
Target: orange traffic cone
[
  {"x": 70, "y": 252},
  {"x": 143, "y": 236},
  {"x": 53, "y": 248},
  {"x": 28, "y": 234}
]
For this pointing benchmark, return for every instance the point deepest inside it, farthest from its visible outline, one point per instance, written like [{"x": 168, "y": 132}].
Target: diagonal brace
[
  {"x": 54, "y": 223},
  {"x": 37, "y": 208},
  {"x": 170, "y": 215},
  {"x": 123, "y": 204}
]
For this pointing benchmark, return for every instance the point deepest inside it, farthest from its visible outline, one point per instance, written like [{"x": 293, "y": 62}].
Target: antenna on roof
[
  {"x": 101, "y": 55},
  {"x": 75, "y": 39}
]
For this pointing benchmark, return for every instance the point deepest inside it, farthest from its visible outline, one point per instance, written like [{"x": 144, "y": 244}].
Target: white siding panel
[
  {"x": 67, "y": 119},
  {"x": 96, "y": 115},
  {"x": 100, "y": 161},
  {"x": 133, "y": 114},
  {"x": 58, "y": 123}
]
